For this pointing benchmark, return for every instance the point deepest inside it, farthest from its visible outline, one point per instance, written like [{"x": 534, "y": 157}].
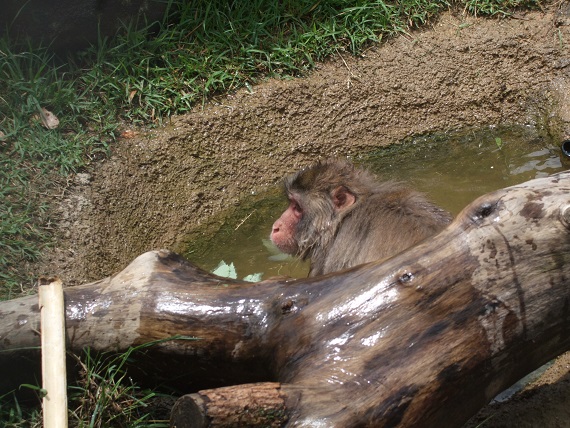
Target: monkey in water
[{"x": 341, "y": 216}]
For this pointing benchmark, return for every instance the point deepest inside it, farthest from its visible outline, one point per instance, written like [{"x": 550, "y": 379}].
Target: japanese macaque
[{"x": 341, "y": 216}]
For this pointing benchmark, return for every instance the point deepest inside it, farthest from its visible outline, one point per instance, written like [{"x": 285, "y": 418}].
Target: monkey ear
[{"x": 342, "y": 198}]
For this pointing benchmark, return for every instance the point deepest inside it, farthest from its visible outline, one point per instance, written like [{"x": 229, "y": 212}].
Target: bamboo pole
[{"x": 53, "y": 353}]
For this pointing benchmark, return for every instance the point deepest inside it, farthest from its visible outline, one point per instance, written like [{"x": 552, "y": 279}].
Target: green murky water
[
  {"x": 452, "y": 169},
  {"x": 242, "y": 238}
]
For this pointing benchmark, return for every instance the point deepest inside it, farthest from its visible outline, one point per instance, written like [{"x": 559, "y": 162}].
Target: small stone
[{"x": 82, "y": 178}]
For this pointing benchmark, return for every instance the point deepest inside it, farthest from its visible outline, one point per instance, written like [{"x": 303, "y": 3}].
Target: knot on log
[
  {"x": 484, "y": 210},
  {"x": 405, "y": 278}
]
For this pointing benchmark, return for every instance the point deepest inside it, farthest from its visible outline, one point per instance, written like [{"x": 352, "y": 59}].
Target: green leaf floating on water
[
  {"x": 254, "y": 277},
  {"x": 229, "y": 271},
  {"x": 225, "y": 270}
]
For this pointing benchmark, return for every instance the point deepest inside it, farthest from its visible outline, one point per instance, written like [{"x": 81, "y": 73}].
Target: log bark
[
  {"x": 425, "y": 338},
  {"x": 253, "y": 405}
]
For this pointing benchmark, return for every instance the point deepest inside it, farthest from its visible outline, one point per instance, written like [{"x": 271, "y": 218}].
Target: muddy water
[
  {"x": 451, "y": 168},
  {"x": 455, "y": 168},
  {"x": 242, "y": 238}
]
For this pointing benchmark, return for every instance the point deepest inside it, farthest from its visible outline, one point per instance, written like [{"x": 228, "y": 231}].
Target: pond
[{"x": 452, "y": 168}]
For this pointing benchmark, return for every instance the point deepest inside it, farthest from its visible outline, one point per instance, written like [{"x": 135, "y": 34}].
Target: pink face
[{"x": 283, "y": 231}]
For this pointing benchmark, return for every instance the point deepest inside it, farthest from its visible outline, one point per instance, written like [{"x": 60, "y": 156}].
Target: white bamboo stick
[{"x": 53, "y": 354}]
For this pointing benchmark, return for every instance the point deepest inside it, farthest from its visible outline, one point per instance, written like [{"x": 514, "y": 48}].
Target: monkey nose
[{"x": 275, "y": 227}]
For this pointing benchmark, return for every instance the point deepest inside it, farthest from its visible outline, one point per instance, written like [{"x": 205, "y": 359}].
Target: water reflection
[{"x": 545, "y": 161}]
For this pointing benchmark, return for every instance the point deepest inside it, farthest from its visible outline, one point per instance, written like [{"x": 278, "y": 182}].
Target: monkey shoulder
[{"x": 400, "y": 200}]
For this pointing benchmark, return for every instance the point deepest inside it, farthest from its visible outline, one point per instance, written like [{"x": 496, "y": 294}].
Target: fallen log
[{"x": 425, "y": 338}]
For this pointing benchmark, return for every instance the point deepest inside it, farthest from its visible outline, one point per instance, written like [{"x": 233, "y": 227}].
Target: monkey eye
[{"x": 297, "y": 210}]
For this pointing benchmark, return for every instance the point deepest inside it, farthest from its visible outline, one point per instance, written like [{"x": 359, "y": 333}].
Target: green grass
[
  {"x": 202, "y": 48},
  {"x": 102, "y": 396},
  {"x": 218, "y": 46},
  {"x": 106, "y": 397},
  {"x": 14, "y": 415},
  {"x": 33, "y": 158},
  {"x": 496, "y": 7},
  {"x": 209, "y": 47}
]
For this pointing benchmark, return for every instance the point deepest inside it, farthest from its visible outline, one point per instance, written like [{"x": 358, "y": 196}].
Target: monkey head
[{"x": 319, "y": 197}]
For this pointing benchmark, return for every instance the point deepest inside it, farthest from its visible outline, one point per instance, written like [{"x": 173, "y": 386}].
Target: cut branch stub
[{"x": 248, "y": 405}]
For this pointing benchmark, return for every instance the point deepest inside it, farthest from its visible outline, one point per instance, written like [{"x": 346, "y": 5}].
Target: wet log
[
  {"x": 425, "y": 338},
  {"x": 252, "y": 405}
]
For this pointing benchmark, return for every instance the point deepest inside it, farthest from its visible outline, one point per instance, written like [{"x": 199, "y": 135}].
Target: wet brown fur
[{"x": 386, "y": 218}]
